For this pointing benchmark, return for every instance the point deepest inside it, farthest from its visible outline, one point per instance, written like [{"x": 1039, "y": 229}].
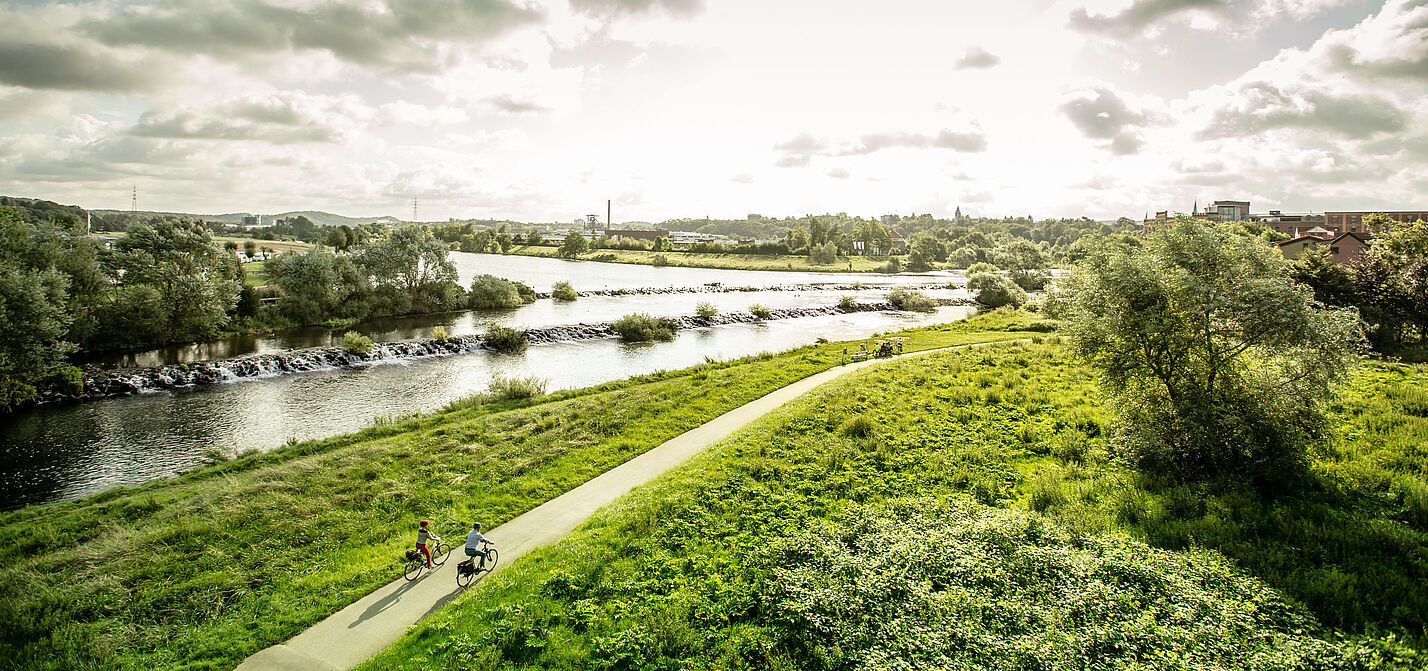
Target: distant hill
[{"x": 316, "y": 217}]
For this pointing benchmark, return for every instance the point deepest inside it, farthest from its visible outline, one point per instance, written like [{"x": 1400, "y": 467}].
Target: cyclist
[
  {"x": 424, "y": 535},
  {"x": 473, "y": 544}
]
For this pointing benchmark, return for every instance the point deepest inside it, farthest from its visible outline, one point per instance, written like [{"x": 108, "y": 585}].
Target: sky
[{"x": 541, "y": 111}]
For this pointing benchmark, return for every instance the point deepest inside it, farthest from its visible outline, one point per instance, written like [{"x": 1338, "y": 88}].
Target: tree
[
  {"x": 318, "y": 285},
  {"x": 250, "y": 247},
  {"x": 823, "y": 254},
  {"x": 1215, "y": 362},
  {"x": 575, "y": 244},
  {"x": 993, "y": 290},
  {"x": 197, "y": 283},
  {"x": 797, "y": 239},
  {"x": 662, "y": 244},
  {"x": 409, "y": 259}
]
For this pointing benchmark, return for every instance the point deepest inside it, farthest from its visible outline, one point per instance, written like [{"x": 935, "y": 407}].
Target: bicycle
[
  {"x": 466, "y": 571},
  {"x": 416, "y": 561}
]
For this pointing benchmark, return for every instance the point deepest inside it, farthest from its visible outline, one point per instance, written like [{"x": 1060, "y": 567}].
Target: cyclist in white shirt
[{"x": 474, "y": 540}]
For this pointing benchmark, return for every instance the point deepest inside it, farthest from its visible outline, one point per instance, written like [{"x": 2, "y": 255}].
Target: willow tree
[{"x": 1214, "y": 361}]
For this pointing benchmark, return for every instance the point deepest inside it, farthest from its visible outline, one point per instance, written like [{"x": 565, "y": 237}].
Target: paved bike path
[{"x": 358, "y": 632}]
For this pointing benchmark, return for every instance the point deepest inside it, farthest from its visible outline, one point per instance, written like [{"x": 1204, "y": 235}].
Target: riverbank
[
  {"x": 782, "y": 262},
  {"x": 205, "y": 569},
  {"x": 962, "y": 511}
]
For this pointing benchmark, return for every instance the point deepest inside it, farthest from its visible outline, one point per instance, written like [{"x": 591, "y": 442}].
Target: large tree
[
  {"x": 409, "y": 259},
  {"x": 575, "y": 244},
  {"x": 1213, "y": 359}
]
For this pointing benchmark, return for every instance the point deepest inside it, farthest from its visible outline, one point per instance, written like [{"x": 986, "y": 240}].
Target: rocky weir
[
  {"x": 100, "y": 383},
  {"x": 718, "y": 287}
]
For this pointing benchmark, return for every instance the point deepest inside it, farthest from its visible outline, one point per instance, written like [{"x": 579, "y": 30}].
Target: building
[
  {"x": 1348, "y": 246},
  {"x": 252, "y": 221},
  {"x": 629, "y": 234},
  {"x": 1352, "y": 222},
  {"x": 1291, "y": 249}
]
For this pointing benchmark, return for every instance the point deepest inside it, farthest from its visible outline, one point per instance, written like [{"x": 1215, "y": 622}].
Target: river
[{"x": 55, "y": 453}]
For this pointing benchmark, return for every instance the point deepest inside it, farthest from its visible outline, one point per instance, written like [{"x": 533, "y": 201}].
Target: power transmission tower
[
  {"x": 414, "y": 204},
  {"x": 134, "y": 204}
]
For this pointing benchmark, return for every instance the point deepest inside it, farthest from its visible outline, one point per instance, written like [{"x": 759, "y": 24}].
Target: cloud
[
  {"x": 977, "y": 58},
  {"x": 838, "y": 173},
  {"x": 1391, "y": 44},
  {"x": 73, "y": 67},
  {"x": 611, "y": 7},
  {"x": 1261, "y": 106},
  {"x": 511, "y": 104},
  {"x": 1139, "y": 15},
  {"x": 1101, "y": 114},
  {"x": 742, "y": 178},
  {"x": 798, "y": 151},
  {"x": 384, "y": 34}
]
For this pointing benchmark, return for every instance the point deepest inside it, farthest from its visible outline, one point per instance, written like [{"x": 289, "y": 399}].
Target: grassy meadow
[
  {"x": 860, "y": 264},
  {"x": 200, "y": 571},
  {"x": 962, "y": 511}
]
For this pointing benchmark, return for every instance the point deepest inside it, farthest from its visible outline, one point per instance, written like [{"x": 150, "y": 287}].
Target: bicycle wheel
[
  {"x": 414, "y": 568},
  {"x": 465, "y": 573},
  {"x": 491, "y": 556},
  {"x": 439, "y": 553}
]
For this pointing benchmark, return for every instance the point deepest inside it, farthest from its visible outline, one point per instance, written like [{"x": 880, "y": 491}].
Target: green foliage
[
  {"x": 491, "y": 292},
  {"x": 893, "y": 266},
  {"x": 1218, "y": 363},
  {"x": 705, "y": 309},
  {"x": 408, "y": 260},
  {"x": 660, "y": 260},
  {"x": 575, "y": 244},
  {"x": 641, "y": 327},
  {"x": 66, "y": 380},
  {"x": 993, "y": 290},
  {"x": 318, "y": 285},
  {"x": 439, "y": 334},
  {"x": 847, "y": 302},
  {"x": 799, "y": 543},
  {"x": 502, "y": 388},
  {"x": 505, "y": 339},
  {"x": 981, "y": 267},
  {"x": 563, "y": 291},
  {"x": 760, "y": 310},
  {"x": 824, "y": 254},
  {"x": 356, "y": 343},
  {"x": 907, "y": 299}
]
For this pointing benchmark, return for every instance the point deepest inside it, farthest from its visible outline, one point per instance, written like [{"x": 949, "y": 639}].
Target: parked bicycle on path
[{"x": 481, "y": 556}]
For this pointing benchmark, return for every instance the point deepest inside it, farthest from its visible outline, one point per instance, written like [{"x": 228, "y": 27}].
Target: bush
[
  {"x": 857, "y": 427},
  {"x": 825, "y": 254},
  {"x": 1030, "y": 280},
  {"x": 760, "y": 310},
  {"x": 893, "y": 266},
  {"x": 847, "y": 302},
  {"x": 706, "y": 309},
  {"x": 562, "y": 291},
  {"x": 356, "y": 343},
  {"x": 995, "y": 291},
  {"x": 439, "y": 334},
  {"x": 67, "y": 380},
  {"x": 907, "y": 299},
  {"x": 491, "y": 292},
  {"x": 661, "y": 260},
  {"x": 981, "y": 267},
  {"x": 527, "y": 294},
  {"x": 505, "y": 339},
  {"x": 641, "y": 327},
  {"x": 502, "y": 388}
]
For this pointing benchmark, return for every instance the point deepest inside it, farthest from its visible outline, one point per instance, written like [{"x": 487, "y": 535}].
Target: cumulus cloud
[
  {"x": 798, "y": 151},
  {"x": 609, "y": 7},
  {"x": 977, "y": 58},
  {"x": 838, "y": 173},
  {"x": 1390, "y": 44},
  {"x": 1099, "y": 113},
  {"x": 1261, "y": 106},
  {"x": 1240, "y": 16},
  {"x": 73, "y": 67},
  {"x": 1139, "y": 15}
]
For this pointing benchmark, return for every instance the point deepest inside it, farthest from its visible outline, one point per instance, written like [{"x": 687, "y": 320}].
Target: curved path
[{"x": 358, "y": 632}]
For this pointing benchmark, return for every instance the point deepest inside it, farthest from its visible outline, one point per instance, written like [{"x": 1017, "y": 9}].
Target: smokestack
[{"x": 607, "y": 214}]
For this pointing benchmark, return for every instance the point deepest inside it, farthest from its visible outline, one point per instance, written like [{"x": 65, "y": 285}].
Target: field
[
  {"x": 200, "y": 571},
  {"x": 963, "y": 511},
  {"x": 726, "y": 261}
]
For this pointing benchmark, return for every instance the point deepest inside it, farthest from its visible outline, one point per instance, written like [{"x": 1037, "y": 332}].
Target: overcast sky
[{"x": 539, "y": 111}]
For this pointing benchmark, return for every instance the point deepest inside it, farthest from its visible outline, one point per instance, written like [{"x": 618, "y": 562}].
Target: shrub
[
  {"x": 502, "y": 388},
  {"x": 68, "y": 380},
  {"x": 706, "y": 309},
  {"x": 893, "y": 266},
  {"x": 640, "y": 327},
  {"x": 490, "y": 292},
  {"x": 857, "y": 427},
  {"x": 527, "y": 294},
  {"x": 1031, "y": 280},
  {"x": 981, "y": 267},
  {"x": 906, "y": 299},
  {"x": 825, "y": 254},
  {"x": 356, "y": 343},
  {"x": 505, "y": 339},
  {"x": 994, "y": 290},
  {"x": 847, "y": 302},
  {"x": 660, "y": 260},
  {"x": 439, "y": 334},
  {"x": 562, "y": 291},
  {"x": 760, "y": 310}
]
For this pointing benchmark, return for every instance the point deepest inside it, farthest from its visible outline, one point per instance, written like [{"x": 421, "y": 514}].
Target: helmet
[
  {"x": 424, "y": 522},
  {"x": 476, "y": 526}
]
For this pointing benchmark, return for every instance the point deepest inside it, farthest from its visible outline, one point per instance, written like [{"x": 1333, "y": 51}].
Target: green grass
[
  {"x": 255, "y": 273},
  {"x": 962, "y": 511},
  {"x": 200, "y": 571},
  {"x": 725, "y": 261}
]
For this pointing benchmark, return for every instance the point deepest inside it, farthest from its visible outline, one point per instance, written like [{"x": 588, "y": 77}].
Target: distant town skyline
[{"x": 540, "y": 111}]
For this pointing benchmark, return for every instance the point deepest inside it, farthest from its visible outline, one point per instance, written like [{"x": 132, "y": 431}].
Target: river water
[{"x": 55, "y": 453}]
